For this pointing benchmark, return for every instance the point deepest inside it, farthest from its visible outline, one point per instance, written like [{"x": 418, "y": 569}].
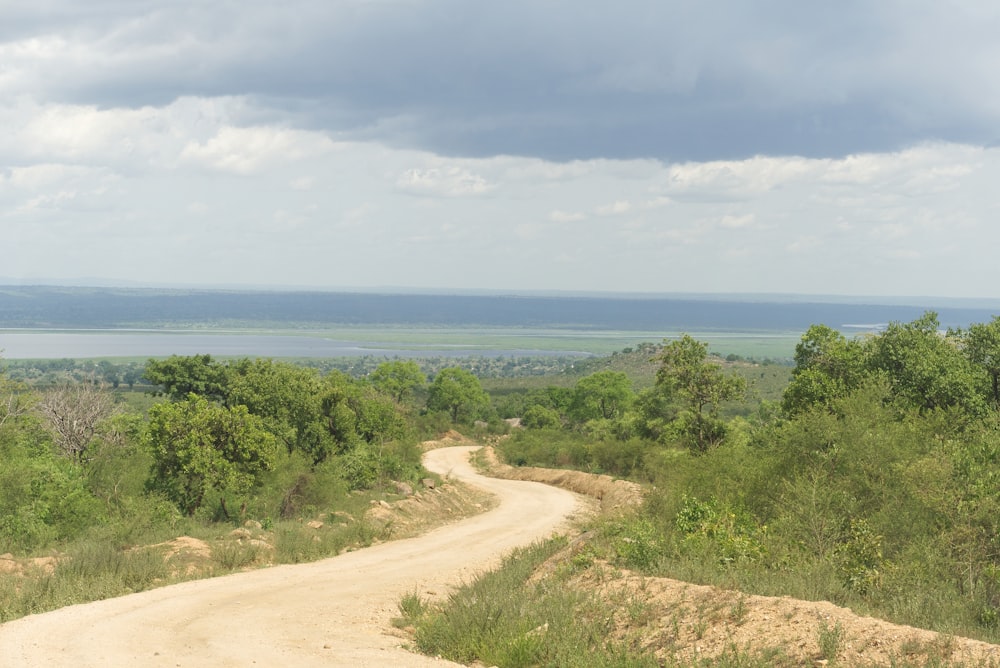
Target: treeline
[
  {"x": 222, "y": 442},
  {"x": 129, "y": 374},
  {"x": 873, "y": 483}
]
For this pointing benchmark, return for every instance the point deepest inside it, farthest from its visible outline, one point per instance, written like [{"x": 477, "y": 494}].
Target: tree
[
  {"x": 15, "y": 399},
  {"x": 603, "y": 395},
  {"x": 686, "y": 375},
  {"x": 199, "y": 446},
  {"x": 827, "y": 366},
  {"x": 74, "y": 414},
  {"x": 925, "y": 369},
  {"x": 398, "y": 379},
  {"x": 180, "y": 376},
  {"x": 982, "y": 347},
  {"x": 285, "y": 395},
  {"x": 541, "y": 417},
  {"x": 457, "y": 391}
]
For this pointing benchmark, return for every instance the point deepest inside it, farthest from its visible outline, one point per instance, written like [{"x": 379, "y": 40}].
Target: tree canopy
[
  {"x": 199, "y": 446},
  {"x": 686, "y": 375},
  {"x": 457, "y": 392}
]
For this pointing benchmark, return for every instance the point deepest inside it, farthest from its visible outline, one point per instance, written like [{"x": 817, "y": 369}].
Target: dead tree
[{"x": 74, "y": 413}]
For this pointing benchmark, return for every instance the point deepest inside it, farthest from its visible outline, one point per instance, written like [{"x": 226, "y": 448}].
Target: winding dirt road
[{"x": 335, "y": 612}]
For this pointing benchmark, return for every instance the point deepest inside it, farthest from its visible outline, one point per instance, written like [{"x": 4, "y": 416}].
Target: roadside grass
[
  {"x": 502, "y": 619},
  {"x": 544, "y": 607},
  {"x": 510, "y": 619},
  {"x": 89, "y": 571},
  {"x": 106, "y": 566}
]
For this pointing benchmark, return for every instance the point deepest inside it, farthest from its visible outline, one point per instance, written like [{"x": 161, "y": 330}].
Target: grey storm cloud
[{"x": 554, "y": 79}]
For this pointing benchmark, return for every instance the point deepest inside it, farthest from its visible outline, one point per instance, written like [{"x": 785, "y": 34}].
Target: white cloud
[
  {"x": 560, "y": 216},
  {"x": 250, "y": 149},
  {"x": 803, "y": 244},
  {"x": 47, "y": 175},
  {"x": 737, "y": 178},
  {"x": 904, "y": 254},
  {"x": 302, "y": 183},
  {"x": 443, "y": 182},
  {"x": 617, "y": 208},
  {"x": 737, "y": 222},
  {"x": 657, "y": 202}
]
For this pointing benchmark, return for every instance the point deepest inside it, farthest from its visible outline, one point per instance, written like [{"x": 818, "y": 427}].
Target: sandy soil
[{"x": 335, "y": 612}]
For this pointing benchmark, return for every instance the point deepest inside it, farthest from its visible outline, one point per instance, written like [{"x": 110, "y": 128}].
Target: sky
[{"x": 657, "y": 146}]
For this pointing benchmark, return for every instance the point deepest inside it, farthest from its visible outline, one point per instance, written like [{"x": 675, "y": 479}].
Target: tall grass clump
[
  {"x": 89, "y": 571},
  {"x": 502, "y": 619}
]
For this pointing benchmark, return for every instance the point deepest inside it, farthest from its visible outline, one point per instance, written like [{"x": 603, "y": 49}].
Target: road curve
[{"x": 334, "y": 612}]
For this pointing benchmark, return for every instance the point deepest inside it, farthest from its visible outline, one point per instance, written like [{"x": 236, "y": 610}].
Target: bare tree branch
[{"x": 73, "y": 413}]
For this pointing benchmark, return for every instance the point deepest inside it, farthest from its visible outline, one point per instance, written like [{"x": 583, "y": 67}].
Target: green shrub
[
  {"x": 636, "y": 543},
  {"x": 501, "y": 619},
  {"x": 728, "y": 531},
  {"x": 42, "y": 499}
]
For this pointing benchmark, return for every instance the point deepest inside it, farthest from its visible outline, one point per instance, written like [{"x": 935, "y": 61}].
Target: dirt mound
[
  {"x": 681, "y": 621},
  {"x": 186, "y": 546},
  {"x": 427, "y": 508},
  {"x": 614, "y": 495},
  {"x": 446, "y": 440},
  {"x": 11, "y": 565}
]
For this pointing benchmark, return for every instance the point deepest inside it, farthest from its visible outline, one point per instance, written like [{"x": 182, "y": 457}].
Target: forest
[{"x": 866, "y": 474}]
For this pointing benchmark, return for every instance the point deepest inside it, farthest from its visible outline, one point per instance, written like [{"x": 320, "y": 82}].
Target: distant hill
[{"x": 79, "y": 307}]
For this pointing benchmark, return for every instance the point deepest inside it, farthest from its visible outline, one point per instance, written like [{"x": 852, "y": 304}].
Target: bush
[{"x": 43, "y": 498}]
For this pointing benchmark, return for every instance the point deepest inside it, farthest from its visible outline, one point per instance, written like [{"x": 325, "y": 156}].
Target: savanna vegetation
[
  {"x": 872, "y": 481},
  {"x": 867, "y": 474},
  {"x": 90, "y": 474}
]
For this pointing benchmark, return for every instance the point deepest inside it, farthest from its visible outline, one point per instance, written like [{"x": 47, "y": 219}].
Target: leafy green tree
[
  {"x": 199, "y": 446},
  {"x": 285, "y": 395},
  {"x": 458, "y": 392},
  {"x": 541, "y": 417},
  {"x": 925, "y": 369},
  {"x": 981, "y": 344},
  {"x": 43, "y": 497},
  {"x": 686, "y": 375},
  {"x": 180, "y": 376},
  {"x": 603, "y": 395},
  {"x": 15, "y": 400},
  {"x": 398, "y": 379},
  {"x": 353, "y": 413},
  {"x": 827, "y": 366}
]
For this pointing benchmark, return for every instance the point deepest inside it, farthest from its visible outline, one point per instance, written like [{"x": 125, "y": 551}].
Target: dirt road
[{"x": 330, "y": 613}]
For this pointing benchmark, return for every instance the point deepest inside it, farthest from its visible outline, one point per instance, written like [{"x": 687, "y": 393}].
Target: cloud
[
  {"x": 675, "y": 81},
  {"x": 313, "y": 143},
  {"x": 443, "y": 182},
  {"x": 302, "y": 183},
  {"x": 737, "y": 222},
  {"x": 559, "y": 216},
  {"x": 617, "y": 208},
  {"x": 246, "y": 150}
]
